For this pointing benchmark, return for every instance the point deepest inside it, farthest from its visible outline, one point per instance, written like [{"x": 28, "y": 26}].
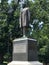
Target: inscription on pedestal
[{"x": 19, "y": 48}]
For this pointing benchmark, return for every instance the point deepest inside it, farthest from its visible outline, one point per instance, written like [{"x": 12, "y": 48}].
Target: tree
[
  {"x": 9, "y": 26},
  {"x": 43, "y": 51},
  {"x": 3, "y": 28},
  {"x": 40, "y": 24}
]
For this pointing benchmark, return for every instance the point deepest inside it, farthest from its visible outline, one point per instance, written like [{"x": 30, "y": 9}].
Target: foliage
[
  {"x": 9, "y": 27},
  {"x": 40, "y": 25}
]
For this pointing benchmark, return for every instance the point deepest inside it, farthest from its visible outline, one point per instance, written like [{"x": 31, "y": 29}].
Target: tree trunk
[{"x": 1, "y": 58}]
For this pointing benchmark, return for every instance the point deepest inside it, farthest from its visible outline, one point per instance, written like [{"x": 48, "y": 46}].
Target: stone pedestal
[
  {"x": 25, "y": 52},
  {"x": 25, "y": 49}
]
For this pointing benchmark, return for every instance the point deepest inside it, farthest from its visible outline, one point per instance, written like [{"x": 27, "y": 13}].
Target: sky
[
  {"x": 9, "y": 1},
  {"x": 0, "y": 0}
]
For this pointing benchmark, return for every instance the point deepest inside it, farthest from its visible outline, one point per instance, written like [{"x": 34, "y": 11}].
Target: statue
[{"x": 24, "y": 19}]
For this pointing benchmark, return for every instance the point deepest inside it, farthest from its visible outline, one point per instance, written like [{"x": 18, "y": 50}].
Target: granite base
[{"x": 25, "y": 63}]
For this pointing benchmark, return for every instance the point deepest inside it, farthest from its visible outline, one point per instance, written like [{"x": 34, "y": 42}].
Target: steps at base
[{"x": 25, "y": 63}]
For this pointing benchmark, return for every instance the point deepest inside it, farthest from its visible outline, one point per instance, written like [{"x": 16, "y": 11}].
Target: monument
[
  {"x": 25, "y": 49},
  {"x": 24, "y": 19}
]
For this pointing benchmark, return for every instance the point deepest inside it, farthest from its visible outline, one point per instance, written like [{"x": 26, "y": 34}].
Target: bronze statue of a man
[{"x": 24, "y": 19}]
